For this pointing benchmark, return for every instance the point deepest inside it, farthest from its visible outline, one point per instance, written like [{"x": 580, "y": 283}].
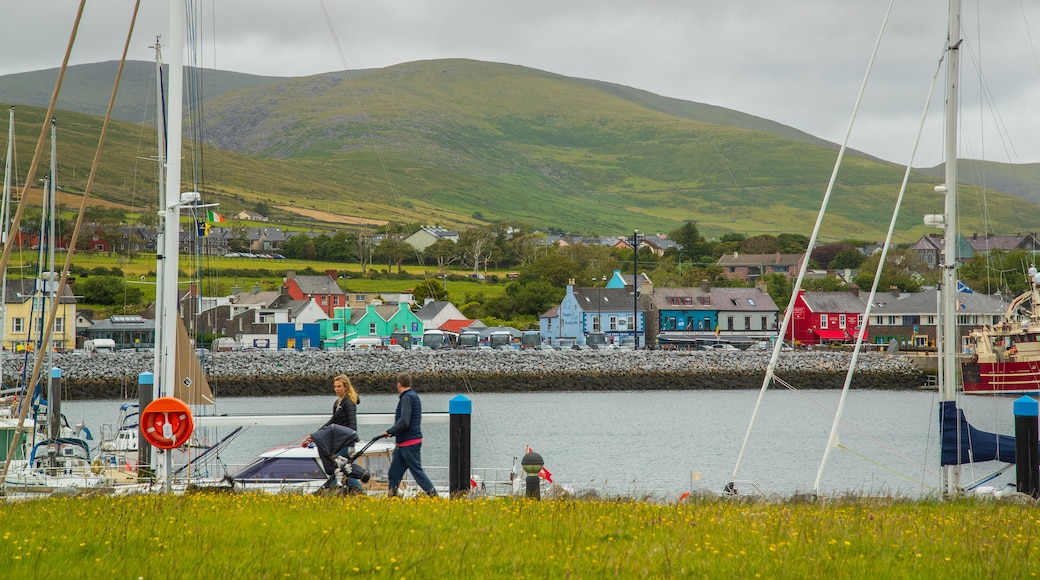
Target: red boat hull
[{"x": 1003, "y": 378}]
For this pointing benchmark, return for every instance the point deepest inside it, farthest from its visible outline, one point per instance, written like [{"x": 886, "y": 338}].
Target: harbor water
[{"x": 662, "y": 443}]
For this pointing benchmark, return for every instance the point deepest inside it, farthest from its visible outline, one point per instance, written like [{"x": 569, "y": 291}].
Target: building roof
[
  {"x": 318, "y": 285},
  {"x": 745, "y": 299},
  {"x": 834, "y": 302},
  {"x": 777, "y": 259},
  {"x": 926, "y": 303},
  {"x": 609, "y": 299}
]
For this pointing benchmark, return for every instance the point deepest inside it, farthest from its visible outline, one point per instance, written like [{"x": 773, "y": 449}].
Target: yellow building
[{"x": 26, "y": 309}]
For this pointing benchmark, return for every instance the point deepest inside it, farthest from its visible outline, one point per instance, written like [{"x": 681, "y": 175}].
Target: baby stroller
[{"x": 334, "y": 443}]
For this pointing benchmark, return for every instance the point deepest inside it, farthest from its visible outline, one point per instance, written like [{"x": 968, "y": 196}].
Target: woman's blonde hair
[{"x": 351, "y": 393}]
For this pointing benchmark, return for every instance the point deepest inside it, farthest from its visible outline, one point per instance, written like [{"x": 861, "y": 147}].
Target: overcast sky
[{"x": 797, "y": 62}]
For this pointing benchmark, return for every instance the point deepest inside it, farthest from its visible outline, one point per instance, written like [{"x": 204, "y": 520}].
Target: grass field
[
  {"x": 258, "y": 536},
  {"x": 220, "y": 274}
]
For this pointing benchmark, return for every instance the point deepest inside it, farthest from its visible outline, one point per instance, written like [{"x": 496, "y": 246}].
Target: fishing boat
[{"x": 1005, "y": 357}]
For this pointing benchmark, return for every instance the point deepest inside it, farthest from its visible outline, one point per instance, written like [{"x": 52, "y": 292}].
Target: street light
[
  {"x": 635, "y": 240},
  {"x": 599, "y": 304}
]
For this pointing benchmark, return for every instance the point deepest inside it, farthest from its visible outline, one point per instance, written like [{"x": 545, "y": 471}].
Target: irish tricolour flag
[{"x": 212, "y": 216}]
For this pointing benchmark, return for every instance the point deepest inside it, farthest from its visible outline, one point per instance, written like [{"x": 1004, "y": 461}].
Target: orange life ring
[{"x": 166, "y": 423}]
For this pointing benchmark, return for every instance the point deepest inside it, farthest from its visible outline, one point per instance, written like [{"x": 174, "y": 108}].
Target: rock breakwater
[{"x": 238, "y": 374}]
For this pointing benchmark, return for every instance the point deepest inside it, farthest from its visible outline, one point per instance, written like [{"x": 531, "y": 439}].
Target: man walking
[{"x": 408, "y": 434}]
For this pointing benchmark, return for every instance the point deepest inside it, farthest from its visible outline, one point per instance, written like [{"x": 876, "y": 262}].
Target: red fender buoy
[{"x": 166, "y": 423}]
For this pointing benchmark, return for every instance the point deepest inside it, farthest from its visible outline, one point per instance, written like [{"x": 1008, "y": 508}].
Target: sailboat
[
  {"x": 61, "y": 459},
  {"x": 960, "y": 442}
]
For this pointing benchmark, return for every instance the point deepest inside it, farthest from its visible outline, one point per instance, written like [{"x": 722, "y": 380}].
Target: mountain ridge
[{"x": 459, "y": 142}]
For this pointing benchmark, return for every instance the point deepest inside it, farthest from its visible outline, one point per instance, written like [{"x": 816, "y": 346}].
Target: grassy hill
[{"x": 461, "y": 142}]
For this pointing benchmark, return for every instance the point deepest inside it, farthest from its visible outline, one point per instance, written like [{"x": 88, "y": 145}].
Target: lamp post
[
  {"x": 635, "y": 240},
  {"x": 599, "y": 305}
]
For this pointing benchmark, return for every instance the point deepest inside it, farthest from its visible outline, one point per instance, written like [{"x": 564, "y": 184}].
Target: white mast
[
  {"x": 167, "y": 245},
  {"x": 948, "y": 316},
  {"x": 161, "y": 157},
  {"x": 5, "y": 209}
]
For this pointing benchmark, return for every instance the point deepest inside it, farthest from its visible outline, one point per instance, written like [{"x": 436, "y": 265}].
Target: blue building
[{"x": 611, "y": 310}]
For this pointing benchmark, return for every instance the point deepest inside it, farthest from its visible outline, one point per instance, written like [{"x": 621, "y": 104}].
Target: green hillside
[{"x": 460, "y": 142}]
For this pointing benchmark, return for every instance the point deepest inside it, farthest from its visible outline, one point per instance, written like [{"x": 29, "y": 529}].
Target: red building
[
  {"x": 321, "y": 289},
  {"x": 825, "y": 317}
]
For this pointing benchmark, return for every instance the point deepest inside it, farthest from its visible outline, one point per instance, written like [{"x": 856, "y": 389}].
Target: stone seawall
[{"x": 237, "y": 374}]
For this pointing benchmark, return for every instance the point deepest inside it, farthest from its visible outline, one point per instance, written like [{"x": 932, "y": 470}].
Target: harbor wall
[{"x": 233, "y": 374}]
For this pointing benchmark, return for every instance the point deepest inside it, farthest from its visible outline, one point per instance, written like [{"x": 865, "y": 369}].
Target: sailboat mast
[
  {"x": 5, "y": 208},
  {"x": 171, "y": 211},
  {"x": 951, "y": 473},
  {"x": 161, "y": 178}
]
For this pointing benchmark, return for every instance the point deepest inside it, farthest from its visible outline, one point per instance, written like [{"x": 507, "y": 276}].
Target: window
[
  {"x": 747, "y": 323},
  {"x": 324, "y": 300},
  {"x": 59, "y": 325},
  {"x": 751, "y": 301},
  {"x": 780, "y": 269},
  {"x": 335, "y": 327},
  {"x": 823, "y": 321},
  {"x": 841, "y": 321},
  {"x": 669, "y": 323},
  {"x": 729, "y": 323},
  {"x": 765, "y": 323},
  {"x": 631, "y": 322},
  {"x": 372, "y": 329},
  {"x": 596, "y": 324},
  {"x": 688, "y": 301},
  {"x": 18, "y": 324}
]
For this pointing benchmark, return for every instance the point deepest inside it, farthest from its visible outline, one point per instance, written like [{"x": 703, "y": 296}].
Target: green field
[{"x": 259, "y": 536}]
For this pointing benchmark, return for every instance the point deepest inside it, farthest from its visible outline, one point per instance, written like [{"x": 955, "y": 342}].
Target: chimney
[
  {"x": 705, "y": 286},
  {"x": 236, "y": 290},
  {"x": 777, "y": 257},
  {"x": 854, "y": 290},
  {"x": 290, "y": 274},
  {"x": 894, "y": 291}
]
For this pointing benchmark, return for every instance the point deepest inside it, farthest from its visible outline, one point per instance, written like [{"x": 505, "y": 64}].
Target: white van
[
  {"x": 100, "y": 345},
  {"x": 364, "y": 342}
]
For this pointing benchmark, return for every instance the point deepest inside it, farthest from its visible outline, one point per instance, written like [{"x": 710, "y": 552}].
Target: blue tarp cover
[{"x": 975, "y": 445}]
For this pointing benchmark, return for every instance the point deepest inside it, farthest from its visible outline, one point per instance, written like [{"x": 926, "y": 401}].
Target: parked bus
[
  {"x": 596, "y": 340},
  {"x": 530, "y": 339},
  {"x": 500, "y": 339},
  {"x": 469, "y": 340},
  {"x": 435, "y": 339}
]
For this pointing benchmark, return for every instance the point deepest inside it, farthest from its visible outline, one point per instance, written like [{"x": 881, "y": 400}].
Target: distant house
[
  {"x": 911, "y": 320},
  {"x": 611, "y": 310},
  {"x": 250, "y": 216},
  {"x": 426, "y": 236},
  {"x": 929, "y": 249},
  {"x": 322, "y": 289},
  {"x": 987, "y": 243},
  {"x": 22, "y": 318},
  {"x": 374, "y": 320},
  {"x": 750, "y": 267},
  {"x": 435, "y": 313},
  {"x": 826, "y": 317},
  {"x": 687, "y": 315}
]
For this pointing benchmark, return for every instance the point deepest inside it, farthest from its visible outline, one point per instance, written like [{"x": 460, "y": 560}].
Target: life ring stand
[{"x": 166, "y": 423}]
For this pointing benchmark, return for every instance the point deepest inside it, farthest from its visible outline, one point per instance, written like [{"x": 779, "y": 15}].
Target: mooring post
[
  {"x": 1027, "y": 453},
  {"x": 533, "y": 464},
  {"x": 54, "y": 404},
  {"x": 460, "y": 411},
  {"x": 145, "y": 382}
]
